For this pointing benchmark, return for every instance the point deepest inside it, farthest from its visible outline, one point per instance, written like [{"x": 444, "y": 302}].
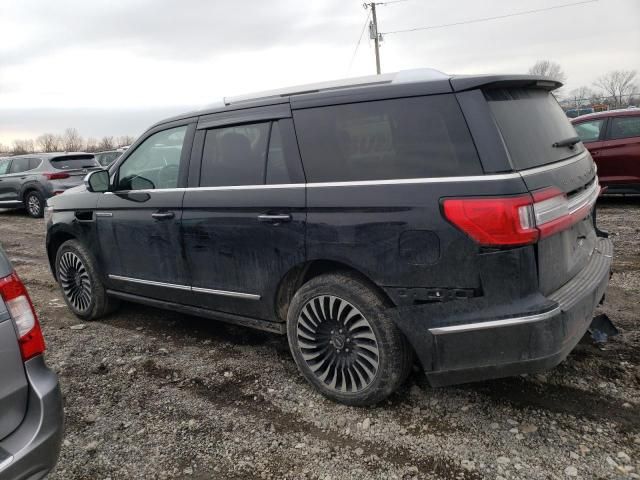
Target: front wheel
[
  {"x": 80, "y": 283},
  {"x": 343, "y": 342}
]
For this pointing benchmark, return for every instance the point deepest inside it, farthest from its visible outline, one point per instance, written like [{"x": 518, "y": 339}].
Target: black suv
[{"x": 372, "y": 221}]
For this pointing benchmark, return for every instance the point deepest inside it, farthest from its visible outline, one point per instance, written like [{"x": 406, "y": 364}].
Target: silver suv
[
  {"x": 28, "y": 180},
  {"x": 31, "y": 415}
]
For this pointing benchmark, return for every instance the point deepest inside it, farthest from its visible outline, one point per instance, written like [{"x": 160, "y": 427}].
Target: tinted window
[
  {"x": 589, "y": 131},
  {"x": 531, "y": 121},
  {"x": 155, "y": 163},
  {"x": 34, "y": 163},
  {"x": 107, "y": 158},
  {"x": 624, "y": 127},
  {"x": 235, "y": 155},
  {"x": 74, "y": 162},
  {"x": 4, "y": 165},
  {"x": 388, "y": 139},
  {"x": 277, "y": 170},
  {"x": 19, "y": 165}
]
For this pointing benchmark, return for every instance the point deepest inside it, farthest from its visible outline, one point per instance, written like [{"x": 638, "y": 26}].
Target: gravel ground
[{"x": 154, "y": 394}]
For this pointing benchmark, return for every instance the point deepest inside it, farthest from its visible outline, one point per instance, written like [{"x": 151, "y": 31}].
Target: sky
[{"x": 114, "y": 67}]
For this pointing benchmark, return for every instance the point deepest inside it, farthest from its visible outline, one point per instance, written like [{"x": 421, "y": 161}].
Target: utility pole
[{"x": 373, "y": 33}]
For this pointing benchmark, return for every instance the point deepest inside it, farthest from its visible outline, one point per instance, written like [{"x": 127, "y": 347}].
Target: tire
[
  {"x": 34, "y": 203},
  {"x": 339, "y": 320},
  {"x": 79, "y": 280}
]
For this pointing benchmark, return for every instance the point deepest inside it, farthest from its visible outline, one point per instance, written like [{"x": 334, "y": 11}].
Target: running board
[{"x": 265, "y": 325}]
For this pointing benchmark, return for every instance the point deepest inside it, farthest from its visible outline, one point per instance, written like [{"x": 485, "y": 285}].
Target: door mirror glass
[{"x": 97, "y": 181}]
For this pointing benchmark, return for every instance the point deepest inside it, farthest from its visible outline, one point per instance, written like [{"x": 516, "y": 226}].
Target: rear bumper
[
  {"x": 524, "y": 341},
  {"x": 32, "y": 450}
]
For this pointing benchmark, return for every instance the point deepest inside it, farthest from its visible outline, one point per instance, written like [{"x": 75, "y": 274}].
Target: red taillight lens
[
  {"x": 521, "y": 220},
  {"x": 499, "y": 221},
  {"x": 56, "y": 176},
  {"x": 18, "y": 303}
]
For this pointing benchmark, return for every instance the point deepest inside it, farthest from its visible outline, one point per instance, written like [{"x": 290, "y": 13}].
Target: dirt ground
[{"x": 154, "y": 394}]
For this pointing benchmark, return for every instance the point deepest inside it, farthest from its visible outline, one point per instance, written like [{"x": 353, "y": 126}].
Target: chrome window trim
[
  {"x": 507, "y": 322},
  {"x": 249, "y": 296},
  {"x": 6, "y": 462}
]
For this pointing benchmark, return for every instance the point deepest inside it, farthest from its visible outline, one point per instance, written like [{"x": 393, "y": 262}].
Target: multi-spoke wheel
[
  {"x": 75, "y": 281},
  {"x": 338, "y": 344},
  {"x": 343, "y": 341},
  {"x": 80, "y": 282},
  {"x": 34, "y": 202}
]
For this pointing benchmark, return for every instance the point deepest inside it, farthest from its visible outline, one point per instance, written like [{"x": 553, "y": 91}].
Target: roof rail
[{"x": 404, "y": 76}]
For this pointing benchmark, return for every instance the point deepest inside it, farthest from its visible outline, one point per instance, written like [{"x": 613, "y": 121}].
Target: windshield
[{"x": 531, "y": 121}]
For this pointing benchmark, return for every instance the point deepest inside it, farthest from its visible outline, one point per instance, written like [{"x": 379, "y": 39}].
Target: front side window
[
  {"x": 235, "y": 155},
  {"x": 589, "y": 131},
  {"x": 387, "y": 139},
  {"x": 625, "y": 127},
  {"x": 4, "y": 165},
  {"x": 155, "y": 163}
]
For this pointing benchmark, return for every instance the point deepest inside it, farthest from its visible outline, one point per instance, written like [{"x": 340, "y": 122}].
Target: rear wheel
[
  {"x": 343, "y": 342},
  {"x": 34, "y": 203},
  {"x": 80, "y": 283}
]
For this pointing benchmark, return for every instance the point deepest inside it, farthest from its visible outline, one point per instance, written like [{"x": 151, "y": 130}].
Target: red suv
[{"x": 613, "y": 138}]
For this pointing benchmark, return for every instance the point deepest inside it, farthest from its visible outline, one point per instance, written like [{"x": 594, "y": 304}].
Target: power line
[
  {"x": 485, "y": 19},
  {"x": 364, "y": 26}
]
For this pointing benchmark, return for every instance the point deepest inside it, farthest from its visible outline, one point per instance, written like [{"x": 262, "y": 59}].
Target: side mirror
[{"x": 97, "y": 181}]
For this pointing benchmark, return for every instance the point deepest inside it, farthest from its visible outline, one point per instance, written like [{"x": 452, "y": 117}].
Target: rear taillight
[
  {"x": 17, "y": 300},
  {"x": 56, "y": 176},
  {"x": 520, "y": 220}
]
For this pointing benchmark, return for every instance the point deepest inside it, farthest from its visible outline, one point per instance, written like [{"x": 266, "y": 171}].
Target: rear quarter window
[
  {"x": 531, "y": 121},
  {"x": 75, "y": 162},
  {"x": 388, "y": 139}
]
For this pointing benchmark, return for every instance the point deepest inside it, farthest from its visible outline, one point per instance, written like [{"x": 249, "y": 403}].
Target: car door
[
  {"x": 244, "y": 222},
  {"x": 620, "y": 152},
  {"x": 15, "y": 177},
  {"x": 138, "y": 221},
  {"x": 5, "y": 164}
]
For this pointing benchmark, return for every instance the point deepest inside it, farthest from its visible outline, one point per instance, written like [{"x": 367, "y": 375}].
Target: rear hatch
[
  {"x": 559, "y": 173},
  {"x": 70, "y": 170},
  {"x": 13, "y": 381}
]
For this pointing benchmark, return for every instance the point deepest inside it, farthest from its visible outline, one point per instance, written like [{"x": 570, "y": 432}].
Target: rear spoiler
[{"x": 471, "y": 82}]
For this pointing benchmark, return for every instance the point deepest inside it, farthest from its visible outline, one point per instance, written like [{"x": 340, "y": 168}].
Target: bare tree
[
  {"x": 23, "y": 146},
  {"x": 106, "y": 143},
  {"x": 580, "y": 95},
  {"x": 72, "y": 141},
  {"x": 548, "y": 68},
  {"x": 619, "y": 84},
  {"x": 47, "y": 142},
  {"x": 125, "y": 140},
  {"x": 91, "y": 145}
]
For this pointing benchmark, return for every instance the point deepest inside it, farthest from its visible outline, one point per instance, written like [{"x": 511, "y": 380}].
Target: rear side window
[
  {"x": 34, "y": 163},
  {"x": 624, "y": 127},
  {"x": 20, "y": 165},
  {"x": 531, "y": 121},
  {"x": 388, "y": 139},
  {"x": 74, "y": 162}
]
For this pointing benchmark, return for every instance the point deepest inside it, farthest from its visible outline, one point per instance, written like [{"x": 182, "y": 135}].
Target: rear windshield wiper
[{"x": 567, "y": 142}]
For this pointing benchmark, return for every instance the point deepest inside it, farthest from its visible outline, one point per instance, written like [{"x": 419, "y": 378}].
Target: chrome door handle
[
  {"x": 279, "y": 218},
  {"x": 163, "y": 215}
]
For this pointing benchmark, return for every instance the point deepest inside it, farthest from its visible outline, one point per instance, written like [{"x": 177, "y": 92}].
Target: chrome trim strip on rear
[
  {"x": 104, "y": 214},
  {"x": 553, "y": 166},
  {"x": 5, "y": 463},
  {"x": 584, "y": 198},
  {"x": 248, "y": 296},
  {"x": 507, "y": 322},
  {"x": 149, "y": 282}
]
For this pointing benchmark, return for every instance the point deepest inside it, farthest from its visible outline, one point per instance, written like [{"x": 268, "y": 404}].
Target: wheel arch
[
  {"x": 300, "y": 274},
  {"x": 55, "y": 239}
]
